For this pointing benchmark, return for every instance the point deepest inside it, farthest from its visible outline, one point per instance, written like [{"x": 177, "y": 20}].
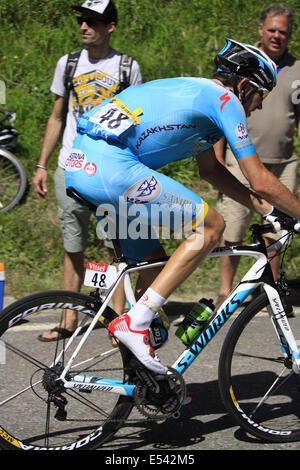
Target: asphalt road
[{"x": 204, "y": 424}]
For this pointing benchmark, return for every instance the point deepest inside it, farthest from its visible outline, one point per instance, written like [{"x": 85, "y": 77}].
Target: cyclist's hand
[
  {"x": 297, "y": 226},
  {"x": 40, "y": 182},
  {"x": 274, "y": 215},
  {"x": 279, "y": 220}
]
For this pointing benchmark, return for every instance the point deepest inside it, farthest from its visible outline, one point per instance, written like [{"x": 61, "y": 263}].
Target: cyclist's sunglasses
[
  {"x": 89, "y": 21},
  {"x": 263, "y": 92}
]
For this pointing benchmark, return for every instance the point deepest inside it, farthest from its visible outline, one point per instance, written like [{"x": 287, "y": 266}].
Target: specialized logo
[
  {"x": 146, "y": 190},
  {"x": 224, "y": 98},
  {"x": 90, "y": 169},
  {"x": 241, "y": 131},
  {"x": 76, "y": 161}
]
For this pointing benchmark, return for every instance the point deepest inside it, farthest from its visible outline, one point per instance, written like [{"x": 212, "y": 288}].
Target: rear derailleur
[{"x": 55, "y": 387}]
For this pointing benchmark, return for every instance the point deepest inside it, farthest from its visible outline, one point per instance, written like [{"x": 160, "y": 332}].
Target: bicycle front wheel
[
  {"x": 12, "y": 180},
  {"x": 257, "y": 385},
  {"x": 35, "y": 411}
]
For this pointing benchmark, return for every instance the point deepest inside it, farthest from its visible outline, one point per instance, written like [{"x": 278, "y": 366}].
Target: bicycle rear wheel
[
  {"x": 29, "y": 418},
  {"x": 12, "y": 180},
  {"x": 257, "y": 385}
]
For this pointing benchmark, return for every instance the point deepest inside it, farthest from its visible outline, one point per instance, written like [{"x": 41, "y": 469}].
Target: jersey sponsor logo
[
  {"x": 164, "y": 128},
  {"x": 241, "y": 144},
  {"x": 145, "y": 190},
  {"x": 224, "y": 98},
  {"x": 173, "y": 199},
  {"x": 90, "y": 169},
  {"x": 241, "y": 131},
  {"x": 76, "y": 161}
]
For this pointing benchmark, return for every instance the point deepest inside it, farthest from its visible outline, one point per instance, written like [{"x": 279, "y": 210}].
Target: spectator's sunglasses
[{"x": 89, "y": 21}]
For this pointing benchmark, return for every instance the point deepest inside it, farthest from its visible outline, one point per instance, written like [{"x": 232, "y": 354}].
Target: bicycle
[
  {"x": 86, "y": 389},
  {"x": 13, "y": 179}
]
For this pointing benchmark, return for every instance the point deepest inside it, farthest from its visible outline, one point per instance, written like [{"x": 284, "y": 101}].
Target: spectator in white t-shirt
[{"x": 96, "y": 77}]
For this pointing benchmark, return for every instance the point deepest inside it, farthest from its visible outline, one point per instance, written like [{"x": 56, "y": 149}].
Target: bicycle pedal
[{"x": 189, "y": 398}]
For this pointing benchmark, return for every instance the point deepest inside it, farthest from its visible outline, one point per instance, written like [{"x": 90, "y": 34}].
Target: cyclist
[{"x": 121, "y": 143}]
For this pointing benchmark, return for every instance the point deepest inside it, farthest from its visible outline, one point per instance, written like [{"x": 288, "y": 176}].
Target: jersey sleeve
[
  {"x": 232, "y": 121},
  {"x": 58, "y": 86}
]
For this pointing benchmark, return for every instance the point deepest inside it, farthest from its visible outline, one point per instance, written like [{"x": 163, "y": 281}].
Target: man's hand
[{"x": 40, "y": 182}]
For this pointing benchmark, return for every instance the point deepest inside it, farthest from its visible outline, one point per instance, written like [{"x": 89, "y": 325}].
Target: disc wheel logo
[
  {"x": 90, "y": 169},
  {"x": 145, "y": 190}
]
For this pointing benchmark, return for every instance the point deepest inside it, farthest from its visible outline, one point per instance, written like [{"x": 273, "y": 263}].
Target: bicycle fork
[{"x": 282, "y": 327}]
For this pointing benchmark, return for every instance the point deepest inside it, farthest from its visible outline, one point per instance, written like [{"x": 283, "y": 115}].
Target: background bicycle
[{"x": 13, "y": 179}]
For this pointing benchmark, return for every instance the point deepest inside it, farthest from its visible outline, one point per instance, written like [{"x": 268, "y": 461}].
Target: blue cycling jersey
[
  {"x": 122, "y": 142},
  {"x": 178, "y": 118}
]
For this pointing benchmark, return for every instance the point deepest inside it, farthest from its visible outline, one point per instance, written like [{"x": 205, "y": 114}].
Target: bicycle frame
[{"x": 259, "y": 274}]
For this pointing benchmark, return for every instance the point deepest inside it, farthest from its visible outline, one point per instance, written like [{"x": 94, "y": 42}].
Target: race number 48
[{"x": 99, "y": 275}]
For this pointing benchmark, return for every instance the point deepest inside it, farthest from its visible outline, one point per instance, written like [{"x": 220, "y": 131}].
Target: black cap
[{"x": 103, "y": 9}]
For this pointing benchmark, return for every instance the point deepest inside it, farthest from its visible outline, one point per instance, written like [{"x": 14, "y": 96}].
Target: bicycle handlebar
[
  {"x": 283, "y": 222},
  {"x": 276, "y": 224}
]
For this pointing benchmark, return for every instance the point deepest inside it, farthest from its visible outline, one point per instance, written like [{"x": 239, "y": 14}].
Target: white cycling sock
[{"x": 143, "y": 312}]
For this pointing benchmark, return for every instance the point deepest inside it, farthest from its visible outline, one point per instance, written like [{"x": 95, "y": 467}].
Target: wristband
[{"x": 42, "y": 167}]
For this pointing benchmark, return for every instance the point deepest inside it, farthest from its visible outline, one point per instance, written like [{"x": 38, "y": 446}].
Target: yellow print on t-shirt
[{"x": 91, "y": 89}]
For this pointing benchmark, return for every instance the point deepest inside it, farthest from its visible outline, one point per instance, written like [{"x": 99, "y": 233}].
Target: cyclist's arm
[
  {"x": 215, "y": 173},
  {"x": 51, "y": 138},
  {"x": 219, "y": 148},
  {"x": 266, "y": 184}
]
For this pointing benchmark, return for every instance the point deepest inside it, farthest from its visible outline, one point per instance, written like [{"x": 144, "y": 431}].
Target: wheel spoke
[
  {"x": 272, "y": 390},
  {"x": 255, "y": 378},
  {"x": 26, "y": 356},
  {"x": 36, "y": 408}
]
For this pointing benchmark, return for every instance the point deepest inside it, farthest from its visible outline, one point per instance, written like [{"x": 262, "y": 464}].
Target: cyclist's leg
[
  {"x": 147, "y": 276},
  {"x": 74, "y": 220},
  {"x": 237, "y": 218},
  {"x": 119, "y": 177},
  {"x": 207, "y": 225},
  {"x": 189, "y": 255},
  {"x": 287, "y": 173}
]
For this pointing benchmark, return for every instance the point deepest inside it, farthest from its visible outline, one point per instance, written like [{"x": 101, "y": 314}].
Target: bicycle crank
[{"x": 158, "y": 397}]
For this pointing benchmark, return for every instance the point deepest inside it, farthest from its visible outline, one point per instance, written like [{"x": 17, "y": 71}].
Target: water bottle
[
  {"x": 159, "y": 329},
  {"x": 195, "y": 321}
]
